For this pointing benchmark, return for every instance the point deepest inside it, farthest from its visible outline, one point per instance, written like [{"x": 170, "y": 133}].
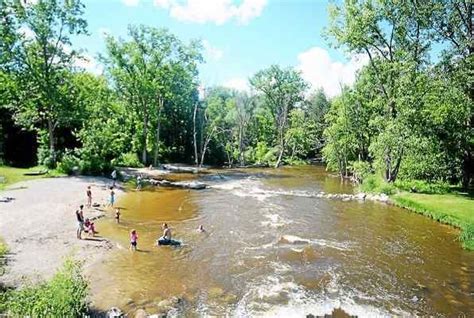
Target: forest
[{"x": 408, "y": 115}]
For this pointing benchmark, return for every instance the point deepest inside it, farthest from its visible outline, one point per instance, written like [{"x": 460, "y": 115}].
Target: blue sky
[{"x": 240, "y": 36}]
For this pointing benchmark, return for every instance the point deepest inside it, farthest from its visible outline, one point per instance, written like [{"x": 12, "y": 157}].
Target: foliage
[
  {"x": 360, "y": 170},
  {"x": 69, "y": 163},
  {"x": 63, "y": 296},
  {"x": 149, "y": 71},
  {"x": 42, "y": 63},
  {"x": 129, "y": 159},
  {"x": 282, "y": 91},
  {"x": 376, "y": 184},
  {"x": 396, "y": 115},
  {"x": 421, "y": 186}
]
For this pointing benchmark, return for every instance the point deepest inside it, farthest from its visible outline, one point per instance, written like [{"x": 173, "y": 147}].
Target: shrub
[
  {"x": 360, "y": 170},
  {"x": 420, "y": 186},
  {"x": 375, "y": 184},
  {"x": 63, "y": 296},
  {"x": 69, "y": 163},
  {"x": 129, "y": 159}
]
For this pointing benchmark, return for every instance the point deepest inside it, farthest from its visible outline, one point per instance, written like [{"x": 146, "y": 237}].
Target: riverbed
[{"x": 272, "y": 248}]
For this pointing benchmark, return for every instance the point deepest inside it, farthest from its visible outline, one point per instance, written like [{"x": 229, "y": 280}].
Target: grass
[
  {"x": 455, "y": 209},
  {"x": 10, "y": 175},
  {"x": 65, "y": 295}
]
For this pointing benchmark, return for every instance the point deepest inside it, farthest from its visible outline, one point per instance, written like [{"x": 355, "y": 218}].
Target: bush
[
  {"x": 129, "y": 159},
  {"x": 264, "y": 154},
  {"x": 63, "y": 296},
  {"x": 69, "y": 163},
  {"x": 360, "y": 170},
  {"x": 375, "y": 184},
  {"x": 419, "y": 186},
  {"x": 467, "y": 236}
]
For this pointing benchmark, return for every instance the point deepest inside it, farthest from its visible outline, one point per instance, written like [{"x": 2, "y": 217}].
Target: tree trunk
[
  {"x": 282, "y": 148},
  {"x": 52, "y": 150},
  {"x": 280, "y": 155},
  {"x": 196, "y": 159},
  {"x": 204, "y": 149},
  {"x": 241, "y": 147},
  {"x": 157, "y": 137},
  {"x": 145, "y": 133}
]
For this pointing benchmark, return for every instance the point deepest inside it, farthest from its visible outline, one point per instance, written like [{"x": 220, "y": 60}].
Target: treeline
[
  {"x": 408, "y": 116},
  {"x": 146, "y": 108},
  {"x": 410, "y": 113}
]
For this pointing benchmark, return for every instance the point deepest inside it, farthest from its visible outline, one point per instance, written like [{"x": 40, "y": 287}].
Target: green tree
[
  {"x": 43, "y": 60},
  {"x": 144, "y": 71},
  {"x": 283, "y": 89},
  {"x": 396, "y": 39}
]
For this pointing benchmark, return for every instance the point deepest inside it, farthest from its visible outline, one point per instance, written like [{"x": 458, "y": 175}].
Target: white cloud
[
  {"x": 89, "y": 63},
  {"x": 321, "y": 71},
  {"x": 162, "y": 3},
  {"x": 130, "y": 3},
  {"x": 215, "y": 11},
  {"x": 238, "y": 83},
  {"x": 212, "y": 53}
]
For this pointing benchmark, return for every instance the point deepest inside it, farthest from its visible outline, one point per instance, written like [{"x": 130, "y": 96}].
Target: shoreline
[{"x": 39, "y": 226}]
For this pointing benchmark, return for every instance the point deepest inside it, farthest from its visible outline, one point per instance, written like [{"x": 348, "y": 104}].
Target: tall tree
[
  {"x": 395, "y": 37},
  {"x": 453, "y": 24},
  {"x": 283, "y": 89},
  {"x": 44, "y": 59},
  {"x": 144, "y": 69}
]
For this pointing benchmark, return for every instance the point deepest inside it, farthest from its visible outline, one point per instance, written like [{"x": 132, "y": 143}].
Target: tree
[
  {"x": 145, "y": 71},
  {"x": 283, "y": 89},
  {"x": 395, "y": 37},
  {"x": 43, "y": 60},
  {"x": 216, "y": 107},
  {"x": 244, "y": 109},
  {"x": 452, "y": 22}
]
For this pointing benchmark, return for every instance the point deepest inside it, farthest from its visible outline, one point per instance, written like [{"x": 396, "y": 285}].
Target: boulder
[
  {"x": 141, "y": 313},
  {"x": 115, "y": 312},
  {"x": 181, "y": 169},
  {"x": 194, "y": 185}
]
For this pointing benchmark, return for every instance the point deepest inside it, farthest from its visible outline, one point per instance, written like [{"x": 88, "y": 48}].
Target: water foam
[
  {"x": 251, "y": 187},
  {"x": 275, "y": 221},
  {"x": 264, "y": 300},
  {"x": 296, "y": 240}
]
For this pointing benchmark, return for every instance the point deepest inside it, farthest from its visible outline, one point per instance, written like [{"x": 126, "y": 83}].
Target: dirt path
[{"x": 39, "y": 226}]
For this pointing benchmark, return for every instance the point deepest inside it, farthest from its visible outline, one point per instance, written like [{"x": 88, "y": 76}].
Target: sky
[{"x": 240, "y": 37}]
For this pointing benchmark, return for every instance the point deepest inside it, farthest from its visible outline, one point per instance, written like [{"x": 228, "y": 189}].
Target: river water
[{"x": 273, "y": 249}]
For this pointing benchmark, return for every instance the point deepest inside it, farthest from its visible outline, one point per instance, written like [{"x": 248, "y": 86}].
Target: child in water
[
  {"x": 133, "y": 240},
  {"x": 117, "y": 215},
  {"x": 112, "y": 196}
]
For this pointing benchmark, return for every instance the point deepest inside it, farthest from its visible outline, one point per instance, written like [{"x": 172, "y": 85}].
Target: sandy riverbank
[{"x": 39, "y": 226}]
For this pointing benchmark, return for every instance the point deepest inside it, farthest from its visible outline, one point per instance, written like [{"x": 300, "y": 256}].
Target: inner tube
[{"x": 163, "y": 241}]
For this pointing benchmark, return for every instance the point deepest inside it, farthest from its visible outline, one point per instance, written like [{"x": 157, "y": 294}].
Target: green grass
[
  {"x": 10, "y": 175},
  {"x": 456, "y": 209},
  {"x": 65, "y": 295},
  {"x": 3, "y": 254}
]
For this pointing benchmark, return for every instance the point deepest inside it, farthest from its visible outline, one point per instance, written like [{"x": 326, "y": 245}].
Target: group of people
[
  {"x": 84, "y": 224},
  {"x": 165, "y": 239}
]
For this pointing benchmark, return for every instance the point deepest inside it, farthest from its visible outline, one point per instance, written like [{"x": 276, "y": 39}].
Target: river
[{"x": 273, "y": 249}]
